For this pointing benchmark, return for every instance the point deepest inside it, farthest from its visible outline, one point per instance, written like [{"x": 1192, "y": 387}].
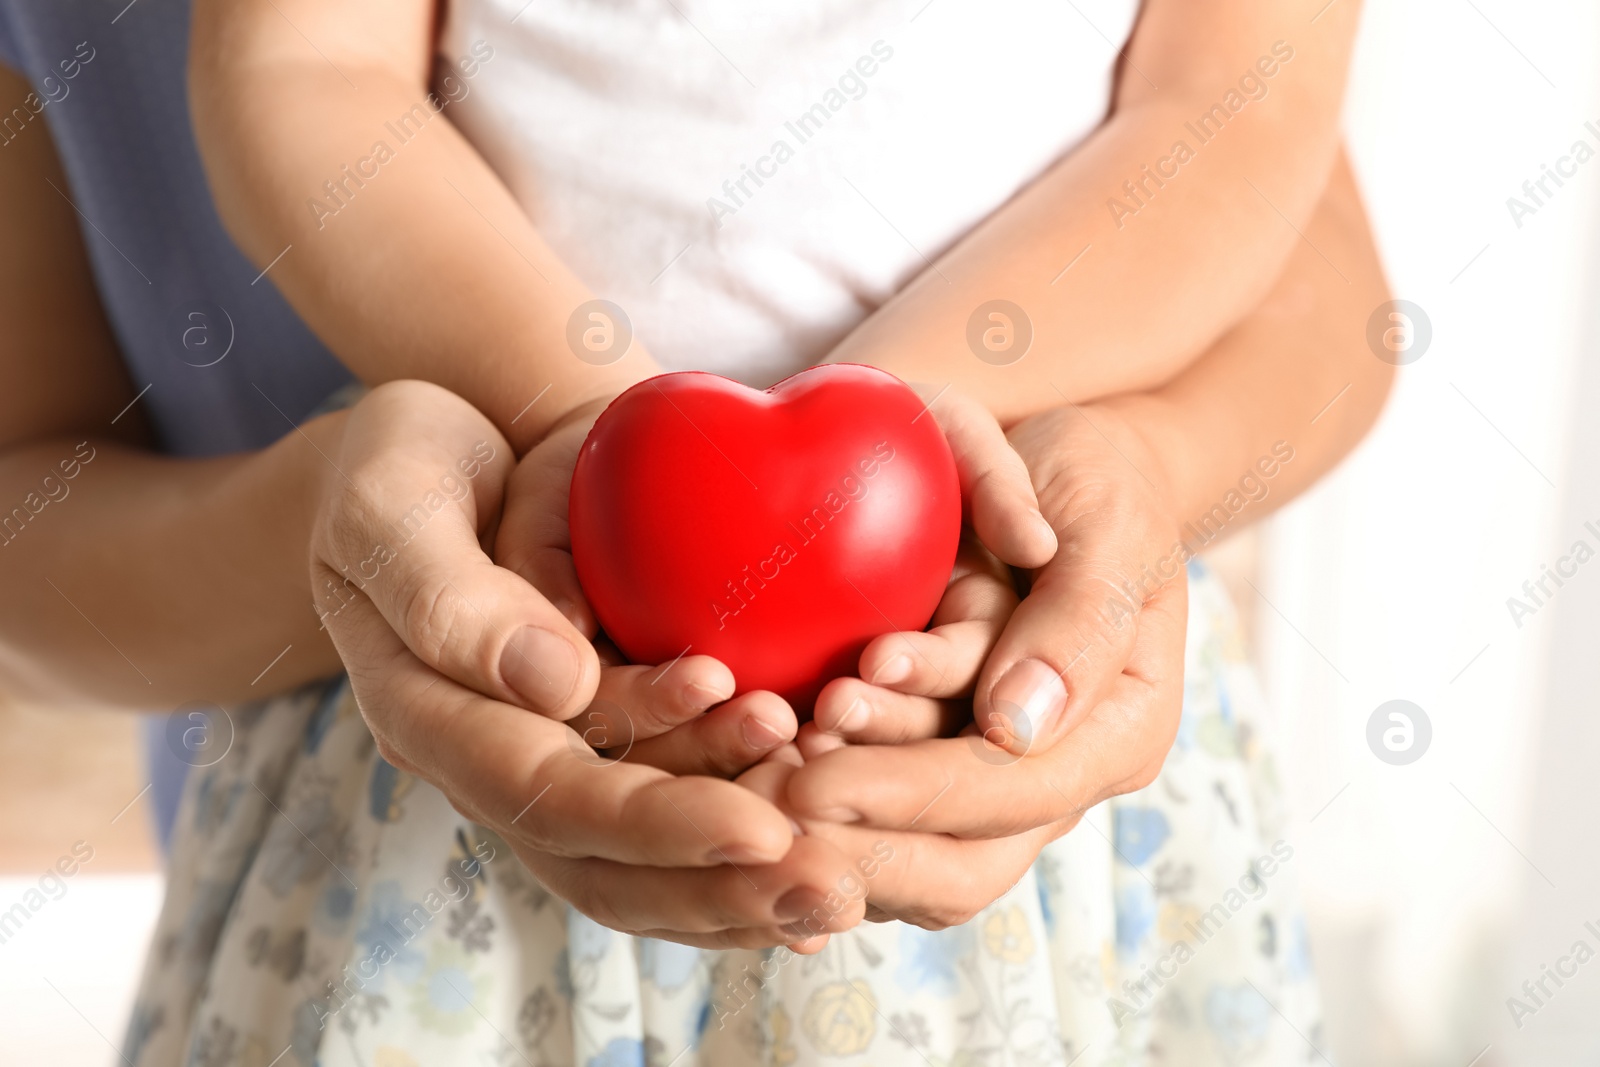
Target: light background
[
  {"x": 1433, "y": 889},
  {"x": 1426, "y": 884}
]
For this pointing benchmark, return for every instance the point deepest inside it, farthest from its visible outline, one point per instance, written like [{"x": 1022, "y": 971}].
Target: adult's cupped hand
[
  {"x": 1077, "y": 702},
  {"x": 463, "y": 671},
  {"x": 922, "y": 682}
]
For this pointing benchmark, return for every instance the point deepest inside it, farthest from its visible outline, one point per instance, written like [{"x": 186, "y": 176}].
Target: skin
[
  {"x": 256, "y": 84},
  {"x": 1118, "y": 480},
  {"x": 618, "y": 877},
  {"x": 192, "y": 621},
  {"x": 1182, "y": 58},
  {"x": 276, "y": 118}
]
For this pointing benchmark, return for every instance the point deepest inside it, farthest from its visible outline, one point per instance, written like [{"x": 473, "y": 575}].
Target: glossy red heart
[{"x": 778, "y": 531}]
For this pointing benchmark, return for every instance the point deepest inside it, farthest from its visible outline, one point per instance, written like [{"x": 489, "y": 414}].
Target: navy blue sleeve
[{"x": 8, "y": 44}]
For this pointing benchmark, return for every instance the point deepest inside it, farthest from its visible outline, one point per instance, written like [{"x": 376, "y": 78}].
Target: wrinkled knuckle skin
[
  {"x": 343, "y": 518},
  {"x": 435, "y": 619},
  {"x": 583, "y": 893}
]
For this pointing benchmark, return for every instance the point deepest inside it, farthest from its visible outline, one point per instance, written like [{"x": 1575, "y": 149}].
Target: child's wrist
[
  {"x": 577, "y": 405},
  {"x": 584, "y": 411}
]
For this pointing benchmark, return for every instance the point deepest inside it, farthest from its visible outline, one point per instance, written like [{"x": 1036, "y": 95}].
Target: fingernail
[
  {"x": 540, "y": 666},
  {"x": 839, "y": 815},
  {"x": 797, "y": 903},
  {"x": 1032, "y": 692},
  {"x": 898, "y": 669},
  {"x": 799, "y": 831},
  {"x": 1045, "y": 529},
  {"x": 700, "y": 697},
  {"x": 854, "y": 717},
  {"x": 760, "y": 735}
]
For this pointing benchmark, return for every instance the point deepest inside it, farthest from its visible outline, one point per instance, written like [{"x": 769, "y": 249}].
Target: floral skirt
[{"x": 325, "y": 908}]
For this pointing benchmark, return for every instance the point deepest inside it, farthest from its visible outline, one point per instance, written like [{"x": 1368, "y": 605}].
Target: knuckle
[
  {"x": 533, "y": 831},
  {"x": 725, "y": 909},
  {"x": 344, "y": 518},
  {"x": 584, "y": 892},
  {"x": 466, "y": 809},
  {"x": 956, "y": 913},
  {"x": 438, "y": 623},
  {"x": 999, "y": 488},
  {"x": 1145, "y": 776},
  {"x": 405, "y": 400},
  {"x": 725, "y": 764},
  {"x": 982, "y": 597},
  {"x": 388, "y": 752}
]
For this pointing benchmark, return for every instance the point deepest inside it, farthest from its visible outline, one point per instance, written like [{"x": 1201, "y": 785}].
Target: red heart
[{"x": 778, "y": 531}]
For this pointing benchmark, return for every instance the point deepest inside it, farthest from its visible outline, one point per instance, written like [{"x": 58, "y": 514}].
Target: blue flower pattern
[{"x": 491, "y": 968}]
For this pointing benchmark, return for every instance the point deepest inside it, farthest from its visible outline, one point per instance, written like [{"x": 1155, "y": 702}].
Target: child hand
[
  {"x": 919, "y": 685},
  {"x": 652, "y": 714},
  {"x": 658, "y": 714}
]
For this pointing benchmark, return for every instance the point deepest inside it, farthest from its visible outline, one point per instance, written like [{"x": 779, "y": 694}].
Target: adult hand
[
  {"x": 1080, "y": 697},
  {"x": 449, "y": 655}
]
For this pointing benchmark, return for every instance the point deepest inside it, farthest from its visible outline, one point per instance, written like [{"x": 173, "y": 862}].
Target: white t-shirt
[{"x": 749, "y": 181}]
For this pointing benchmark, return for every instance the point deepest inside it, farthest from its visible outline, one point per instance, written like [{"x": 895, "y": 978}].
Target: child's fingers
[
  {"x": 865, "y": 714},
  {"x": 725, "y": 741},
  {"x": 994, "y": 482},
  {"x": 533, "y": 538},
  {"x": 634, "y": 702},
  {"x": 968, "y": 787},
  {"x": 812, "y": 743},
  {"x": 980, "y": 587},
  {"x": 944, "y": 661},
  {"x": 551, "y": 571}
]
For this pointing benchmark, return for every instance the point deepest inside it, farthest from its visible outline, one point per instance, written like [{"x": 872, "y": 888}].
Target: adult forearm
[
  {"x": 146, "y": 581},
  {"x": 1295, "y": 379}
]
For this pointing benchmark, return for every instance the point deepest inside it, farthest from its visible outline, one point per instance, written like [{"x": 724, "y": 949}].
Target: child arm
[
  {"x": 1183, "y": 206},
  {"x": 333, "y": 164}
]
